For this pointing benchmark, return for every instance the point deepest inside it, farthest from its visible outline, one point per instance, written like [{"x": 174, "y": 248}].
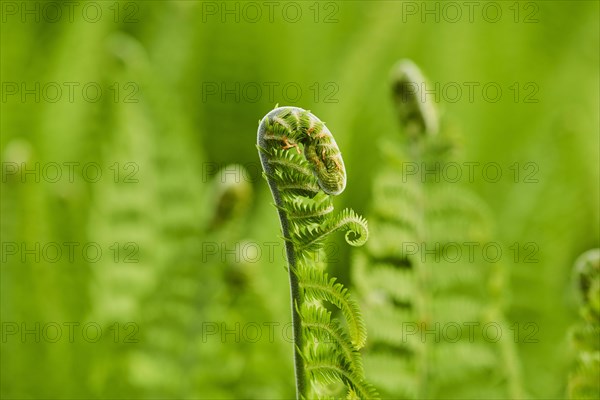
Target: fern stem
[{"x": 295, "y": 298}]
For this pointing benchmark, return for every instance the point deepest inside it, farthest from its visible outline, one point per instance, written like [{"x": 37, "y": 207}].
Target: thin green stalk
[{"x": 295, "y": 298}]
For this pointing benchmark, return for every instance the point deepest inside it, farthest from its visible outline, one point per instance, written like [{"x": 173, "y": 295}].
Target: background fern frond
[
  {"x": 584, "y": 380},
  {"x": 413, "y": 288}
]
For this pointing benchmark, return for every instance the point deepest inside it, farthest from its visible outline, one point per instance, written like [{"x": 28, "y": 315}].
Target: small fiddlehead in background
[
  {"x": 231, "y": 197},
  {"x": 584, "y": 380},
  {"x": 304, "y": 168},
  {"x": 416, "y": 116}
]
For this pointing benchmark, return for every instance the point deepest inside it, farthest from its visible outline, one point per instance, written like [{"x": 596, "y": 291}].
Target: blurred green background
[{"x": 127, "y": 257}]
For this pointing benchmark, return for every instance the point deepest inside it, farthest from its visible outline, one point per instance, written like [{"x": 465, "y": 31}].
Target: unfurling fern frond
[
  {"x": 412, "y": 291},
  {"x": 416, "y": 116},
  {"x": 584, "y": 381},
  {"x": 304, "y": 168}
]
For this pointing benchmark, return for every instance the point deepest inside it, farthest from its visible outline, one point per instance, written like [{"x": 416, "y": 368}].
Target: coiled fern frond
[
  {"x": 417, "y": 118},
  {"x": 584, "y": 381},
  {"x": 304, "y": 168}
]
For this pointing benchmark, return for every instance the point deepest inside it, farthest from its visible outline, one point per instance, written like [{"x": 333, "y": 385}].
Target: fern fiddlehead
[
  {"x": 302, "y": 186},
  {"x": 416, "y": 117},
  {"x": 583, "y": 381}
]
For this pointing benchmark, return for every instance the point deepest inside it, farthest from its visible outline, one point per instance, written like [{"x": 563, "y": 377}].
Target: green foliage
[
  {"x": 302, "y": 187},
  {"x": 166, "y": 57}
]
